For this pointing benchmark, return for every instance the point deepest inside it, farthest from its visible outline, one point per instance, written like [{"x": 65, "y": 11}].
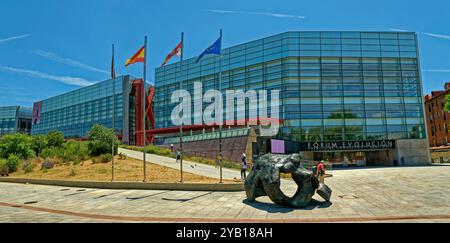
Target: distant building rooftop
[{"x": 437, "y": 93}]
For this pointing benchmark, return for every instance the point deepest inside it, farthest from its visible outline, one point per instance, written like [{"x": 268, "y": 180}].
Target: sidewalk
[
  {"x": 188, "y": 166},
  {"x": 411, "y": 194}
]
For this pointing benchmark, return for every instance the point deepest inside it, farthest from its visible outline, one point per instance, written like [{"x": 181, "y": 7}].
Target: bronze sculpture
[{"x": 264, "y": 180}]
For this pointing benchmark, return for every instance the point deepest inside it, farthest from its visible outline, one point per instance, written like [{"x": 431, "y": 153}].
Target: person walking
[
  {"x": 171, "y": 148},
  {"x": 320, "y": 171},
  {"x": 244, "y": 167},
  {"x": 178, "y": 155},
  {"x": 217, "y": 166}
]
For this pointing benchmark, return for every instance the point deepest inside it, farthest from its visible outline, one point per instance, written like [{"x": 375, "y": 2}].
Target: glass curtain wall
[
  {"x": 334, "y": 86},
  {"x": 75, "y": 112},
  {"x": 8, "y": 119}
]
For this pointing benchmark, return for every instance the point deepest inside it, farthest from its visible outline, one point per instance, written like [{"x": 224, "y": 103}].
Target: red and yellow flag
[
  {"x": 176, "y": 51},
  {"x": 138, "y": 57}
]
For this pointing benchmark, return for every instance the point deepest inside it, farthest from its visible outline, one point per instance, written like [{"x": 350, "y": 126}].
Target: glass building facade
[
  {"x": 15, "y": 119},
  {"x": 75, "y": 112},
  {"x": 335, "y": 86}
]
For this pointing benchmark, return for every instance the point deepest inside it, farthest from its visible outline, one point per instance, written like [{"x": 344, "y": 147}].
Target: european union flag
[{"x": 213, "y": 49}]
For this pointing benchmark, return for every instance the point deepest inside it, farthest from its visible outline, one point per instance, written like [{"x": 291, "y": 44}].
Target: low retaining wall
[{"x": 130, "y": 185}]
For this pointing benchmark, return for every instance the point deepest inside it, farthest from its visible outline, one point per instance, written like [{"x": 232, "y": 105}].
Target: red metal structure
[
  {"x": 186, "y": 128},
  {"x": 150, "y": 117}
]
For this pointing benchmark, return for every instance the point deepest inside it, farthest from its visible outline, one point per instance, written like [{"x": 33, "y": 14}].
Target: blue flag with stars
[{"x": 213, "y": 49}]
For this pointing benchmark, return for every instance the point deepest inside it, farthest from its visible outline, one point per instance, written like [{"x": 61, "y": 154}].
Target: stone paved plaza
[{"x": 410, "y": 194}]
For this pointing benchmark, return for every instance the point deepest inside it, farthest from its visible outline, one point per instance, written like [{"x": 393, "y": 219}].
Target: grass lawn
[{"x": 126, "y": 170}]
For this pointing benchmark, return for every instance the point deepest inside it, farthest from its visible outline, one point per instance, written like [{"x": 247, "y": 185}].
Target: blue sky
[{"x": 48, "y": 47}]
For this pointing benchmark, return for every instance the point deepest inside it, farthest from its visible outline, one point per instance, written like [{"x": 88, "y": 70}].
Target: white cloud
[
  {"x": 276, "y": 15},
  {"x": 36, "y": 74},
  {"x": 398, "y": 30},
  {"x": 436, "y": 70},
  {"x": 446, "y": 37},
  {"x": 67, "y": 61},
  {"x": 14, "y": 38},
  {"x": 440, "y": 36}
]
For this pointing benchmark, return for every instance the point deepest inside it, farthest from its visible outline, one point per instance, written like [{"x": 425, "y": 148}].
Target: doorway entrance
[{"x": 355, "y": 158}]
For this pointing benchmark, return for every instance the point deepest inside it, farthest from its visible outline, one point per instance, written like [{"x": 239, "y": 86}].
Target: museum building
[
  {"x": 15, "y": 119},
  {"x": 351, "y": 98},
  {"x": 75, "y": 112}
]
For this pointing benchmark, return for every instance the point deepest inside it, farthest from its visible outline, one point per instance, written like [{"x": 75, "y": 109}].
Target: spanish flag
[{"x": 138, "y": 57}]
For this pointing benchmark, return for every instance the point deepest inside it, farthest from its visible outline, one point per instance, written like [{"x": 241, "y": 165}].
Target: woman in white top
[{"x": 244, "y": 167}]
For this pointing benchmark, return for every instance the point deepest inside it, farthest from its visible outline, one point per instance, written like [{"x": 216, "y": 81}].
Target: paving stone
[{"x": 366, "y": 193}]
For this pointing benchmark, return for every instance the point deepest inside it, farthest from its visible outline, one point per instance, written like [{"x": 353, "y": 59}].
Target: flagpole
[
  {"x": 143, "y": 107},
  {"x": 220, "y": 123},
  {"x": 113, "y": 72},
  {"x": 181, "y": 125}
]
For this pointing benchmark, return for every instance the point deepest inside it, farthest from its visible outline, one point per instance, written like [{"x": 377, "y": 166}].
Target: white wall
[{"x": 414, "y": 152}]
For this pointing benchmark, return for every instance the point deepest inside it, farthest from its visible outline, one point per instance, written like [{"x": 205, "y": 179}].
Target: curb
[{"x": 130, "y": 185}]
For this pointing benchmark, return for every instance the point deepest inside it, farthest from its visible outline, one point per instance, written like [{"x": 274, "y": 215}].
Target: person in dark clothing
[{"x": 178, "y": 156}]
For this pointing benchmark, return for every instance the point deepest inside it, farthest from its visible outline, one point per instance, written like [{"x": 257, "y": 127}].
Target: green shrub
[
  {"x": 27, "y": 167},
  {"x": 100, "y": 140},
  {"x": 17, "y": 144},
  {"x": 38, "y": 143},
  {"x": 12, "y": 162},
  {"x": 73, "y": 151},
  {"x": 94, "y": 160},
  {"x": 55, "y": 139},
  {"x": 105, "y": 158},
  {"x": 50, "y": 153},
  {"x": 4, "y": 170}
]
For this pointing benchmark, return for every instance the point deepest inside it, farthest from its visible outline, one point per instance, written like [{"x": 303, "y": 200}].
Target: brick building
[{"x": 438, "y": 121}]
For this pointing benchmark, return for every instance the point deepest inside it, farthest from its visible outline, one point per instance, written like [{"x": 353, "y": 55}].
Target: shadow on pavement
[
  {"x": 186, "y": 199},
  {"x": 142, "y": 197},
  {"x": 107, "y": 195},
  {"x": 273, "y": 208},
  {"x": 80, "y": 191}
]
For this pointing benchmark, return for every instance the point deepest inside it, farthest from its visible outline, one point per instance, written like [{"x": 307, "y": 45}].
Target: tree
[
  {"x": 16, "y": 144},
  {"x": 55, "y": 139},
  {"x": 100, "y": 140},
  {"x": 39, "y": 143},
  {"x": 340, "y": 114},
  {"x": 447, "y": 103}
]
